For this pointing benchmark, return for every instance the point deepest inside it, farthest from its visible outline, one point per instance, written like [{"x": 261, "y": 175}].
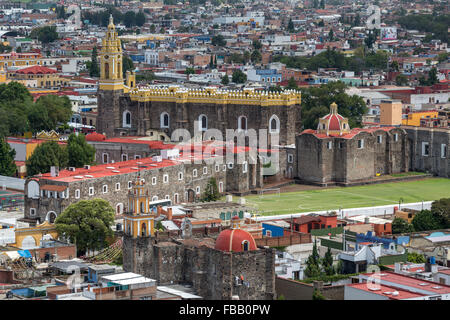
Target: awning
[
  {"x": 25, "y": 253},
  {"x": 13, "y": 255},
  {"x": 53, "y": 187}
]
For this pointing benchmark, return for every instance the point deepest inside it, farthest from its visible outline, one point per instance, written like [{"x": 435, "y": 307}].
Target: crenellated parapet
[{"x": 216, "y": 96}]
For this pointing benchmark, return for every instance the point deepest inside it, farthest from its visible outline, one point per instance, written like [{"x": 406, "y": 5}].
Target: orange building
[
  {"x": 413, "y": 118},
  {"x": 391, "y": 112},
  {"x": 311, "y": 222}
]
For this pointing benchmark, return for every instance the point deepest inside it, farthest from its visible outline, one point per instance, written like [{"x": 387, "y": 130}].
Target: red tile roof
[
  {"x": 386, "y": 291},
  {"x": 413, "y": 283},
  {"x": 349, "y": 135},
  {"x": 36, "y": 70}
]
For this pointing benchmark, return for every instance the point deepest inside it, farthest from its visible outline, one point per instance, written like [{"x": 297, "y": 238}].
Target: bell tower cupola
[{"x": 111, "y": 74}]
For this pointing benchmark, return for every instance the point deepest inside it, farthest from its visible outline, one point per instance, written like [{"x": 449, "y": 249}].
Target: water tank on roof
[{"x": 432, "y": 260}]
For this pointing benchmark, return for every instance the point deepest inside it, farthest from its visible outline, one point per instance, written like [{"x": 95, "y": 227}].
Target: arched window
[
  {"x": 242, "y": 123},
  {"x": 203, "y": 122},
  {"x": 144, "y": 229},
  {"x": 126, "y": 119},
  {"x": 142, "y": 207},
  {"x": 164, "y": 120},
  {"x": 274, "y": 124},
  {"x": 106, "y": 70},
  {"x": 245, "y": 245}
]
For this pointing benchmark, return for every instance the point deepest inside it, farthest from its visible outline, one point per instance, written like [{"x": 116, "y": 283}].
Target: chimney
[
  {"x": 366, "y": 220},
  {"x": 169, "y": 213},
  {"x": 158, "y": 211},
  {"x": 398, "y": 267}
]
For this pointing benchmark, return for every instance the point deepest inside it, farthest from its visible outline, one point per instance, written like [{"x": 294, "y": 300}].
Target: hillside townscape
[{"x": 224, "y": 150}]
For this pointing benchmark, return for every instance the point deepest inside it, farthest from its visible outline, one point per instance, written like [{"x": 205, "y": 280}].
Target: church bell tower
[
  {"x": 111, "y": 83},
  {"x": 111, "y": 76}
]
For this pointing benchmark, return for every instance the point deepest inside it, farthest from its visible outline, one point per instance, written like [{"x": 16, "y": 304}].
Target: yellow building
[
  {"x": 139, "y": 221},
  {"x": 14, "y": 59},
  {"x": 31, "y": 237},
  {"x": 391, "y": 112},
  {"x": 111, "y": 69},
  {"x": 37, "y": 77},
  {"x": 111, "y": 74},
  {"x": 405, "y": 215},
  {"x": 413, "y": 118}
]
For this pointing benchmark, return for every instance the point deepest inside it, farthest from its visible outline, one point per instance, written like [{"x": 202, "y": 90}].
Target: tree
[
  {"x": 94, "y": 70},
  {"x": 424, "y": 221},
  {"x": 246, "y": 56},
  {"x": 415, "y": 258},
  {"x": 400, "y": 225},
  {"x": 87, "y": 223},
  {"x": 317, "y": 295},
  {"x": 127, "y": 64},
  {"x": 211, "y": 62},
  {"x": 211, "y": 191},
  {"x": 140, "y": 18},
  {"x": 58, "y": 109},
  {"x": 316, "y": 103},
  {"x": 331, "y": 35},
  {"x": 79, "y": 151},
  {"x": 46, "y": 155},
  {"x": 370, "y": 39},
  {"x": 129, "y": 19},
  {"x": 189, "y": 71},
  {"x": 290, "y": 26},
  {"x": 15, "y": 102},
  {"x": 218, "y": 40},
  {"x": 45, "y": 34},
  {"x": 327, "y": 263},
  {"x": 7, "y": 154},
  {"x": 394, "y": 66},
  {"x": 322, "y": 4},
  {"x": 432, "y": 77},
  {"x": 239, "y": 77},
  {"x": 441, "y": 210},
  {"x": 257, "y": 44},
  {"x": 152, "y": 28},
  {"x": 443, "y": 57},
  {"x": 313, "y": 263},
  {"x": 256, "y": 56},
  {"x": 225, "y": 80},
  {"x": 292, "y": 84},
  {"x": 401, "y": 80}
]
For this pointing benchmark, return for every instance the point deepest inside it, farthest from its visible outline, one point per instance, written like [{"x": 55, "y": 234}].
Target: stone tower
[
  {"x": 111, "y": 86},
  {"x": 139, "y": 219}
]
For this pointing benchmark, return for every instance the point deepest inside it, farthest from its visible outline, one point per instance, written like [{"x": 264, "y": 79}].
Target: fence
[
  {"x": 391, "y": 259},
  {"x": 325, "y": 232},
  {"x": 331, "y": 244},
  {"x": 295, "y": 238}
]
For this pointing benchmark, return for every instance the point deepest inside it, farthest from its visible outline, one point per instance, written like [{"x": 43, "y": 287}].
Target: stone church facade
[
  {"x": 125, "y": 110},
  {"x": 336, "y": 154}
]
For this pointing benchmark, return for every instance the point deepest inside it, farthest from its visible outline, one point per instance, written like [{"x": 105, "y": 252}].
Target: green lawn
[{"x": 351, "y": 197}]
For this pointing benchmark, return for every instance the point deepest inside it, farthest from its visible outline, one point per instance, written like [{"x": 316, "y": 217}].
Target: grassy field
[{"x": 351, "y": 197}]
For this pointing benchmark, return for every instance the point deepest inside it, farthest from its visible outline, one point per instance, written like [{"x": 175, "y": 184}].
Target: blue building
[{"x": 274, "y": 228}]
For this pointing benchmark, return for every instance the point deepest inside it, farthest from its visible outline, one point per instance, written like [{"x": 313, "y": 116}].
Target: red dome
[
  {"x": 94, "y": 136},
  {"x": 232, "y": 240},
  {"x": 334, "y": 123}
]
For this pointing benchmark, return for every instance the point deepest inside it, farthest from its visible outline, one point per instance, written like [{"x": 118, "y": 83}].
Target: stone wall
[
  {"x": 342, "y": 160},
  {"x": 212, "y": 273},
  {"x": 434, "y": 162},
  {"x": 119, "y": 197},
  {"x": 146, "y": 116}
]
